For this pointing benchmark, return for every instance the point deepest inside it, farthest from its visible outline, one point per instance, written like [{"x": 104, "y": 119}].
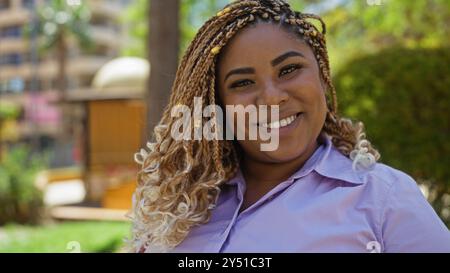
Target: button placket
[{"x": 223, "y": 237}]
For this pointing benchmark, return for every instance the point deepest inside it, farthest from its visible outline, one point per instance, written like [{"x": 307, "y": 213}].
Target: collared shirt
[{"x": 326, "y": 206}]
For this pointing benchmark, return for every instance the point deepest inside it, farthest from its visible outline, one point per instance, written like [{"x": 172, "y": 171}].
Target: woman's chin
[
  {"x": 284, "y": 151},
  {"x": 284, "y": 154}
]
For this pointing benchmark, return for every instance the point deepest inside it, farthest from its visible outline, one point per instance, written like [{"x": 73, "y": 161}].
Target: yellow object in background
[
  {"x": 119, "y": 197},
  {"x": 9, "y": 130}
]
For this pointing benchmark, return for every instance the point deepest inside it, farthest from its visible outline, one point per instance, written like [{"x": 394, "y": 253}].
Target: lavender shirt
[{"x": 325, "y": 206}]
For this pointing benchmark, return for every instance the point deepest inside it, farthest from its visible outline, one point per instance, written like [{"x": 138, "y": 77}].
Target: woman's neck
[
  {"x": 261, "y": 177},
  {"x": 268, "y": 174}
]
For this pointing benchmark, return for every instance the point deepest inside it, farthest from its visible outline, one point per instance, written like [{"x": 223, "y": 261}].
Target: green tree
[
  {"x": 20, "y": 200},
  {"x": 135, "y": 18},
  {"x": 402, "y": 97},
  {"x": 356, "y": 28},
  {"x": 193, "y": 13},
  {"x": 57, "y": 20},
  {"x": 8, "y": 111}
]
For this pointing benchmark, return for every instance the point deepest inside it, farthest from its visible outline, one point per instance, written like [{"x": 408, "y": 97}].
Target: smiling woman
[
  {"x": 283, "y": 72},
  {"x": 321, "y": 190}
]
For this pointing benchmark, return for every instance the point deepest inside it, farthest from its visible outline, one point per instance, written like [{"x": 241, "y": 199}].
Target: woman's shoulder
[
  {"x": 404, "y": 212},
  {"x": 379, "y": 175},
  {"x": 380, "y": 178},
  {"x": 390, "y": 183},
  {"x": 388, "y": 176}
]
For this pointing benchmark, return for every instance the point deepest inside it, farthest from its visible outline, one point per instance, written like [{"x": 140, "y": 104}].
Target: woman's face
[{"x": 265, "y": 65}]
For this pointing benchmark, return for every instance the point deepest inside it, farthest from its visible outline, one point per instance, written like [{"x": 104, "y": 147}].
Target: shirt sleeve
[{"x": 409, "y": 223}]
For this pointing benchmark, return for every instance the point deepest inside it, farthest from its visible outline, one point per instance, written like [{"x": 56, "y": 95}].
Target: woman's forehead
[{"x": 260, "y": 42}]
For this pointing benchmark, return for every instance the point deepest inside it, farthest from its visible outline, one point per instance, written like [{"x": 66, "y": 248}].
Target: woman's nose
[{"x": 272, "y": 94}]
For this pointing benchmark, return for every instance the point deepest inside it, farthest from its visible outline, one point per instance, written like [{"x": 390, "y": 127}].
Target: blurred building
[
  {"x": 114, "y": 130},
  {"x": 28, "y": 79}
]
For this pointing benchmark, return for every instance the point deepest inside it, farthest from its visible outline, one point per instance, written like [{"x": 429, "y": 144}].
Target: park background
[{"x": 82, "y": 81}]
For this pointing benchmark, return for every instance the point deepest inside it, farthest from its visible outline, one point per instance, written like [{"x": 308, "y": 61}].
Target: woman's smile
[{"x": 285, "y": 126}]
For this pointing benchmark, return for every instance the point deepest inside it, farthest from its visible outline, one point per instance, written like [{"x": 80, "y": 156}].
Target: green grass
[{"x": 58, "y": 238}]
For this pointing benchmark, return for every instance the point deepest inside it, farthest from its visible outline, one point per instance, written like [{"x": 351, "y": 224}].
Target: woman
[{"x": 320, "y": 190}]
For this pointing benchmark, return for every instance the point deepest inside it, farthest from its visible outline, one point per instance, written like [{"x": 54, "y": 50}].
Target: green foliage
[
  {"x": 93, "y": 237},
  {"x": 297, "y": 5},
  {"x": 193, "y": 13},
  {"x": 136, "y": 19},
  {"x": 20, "y": 200},
  {"x": 356, "y": 28},
  {"x": 402, "y": 97},
  {"x": 57, "y": 19},
  {"x": 8, "y": 111}
]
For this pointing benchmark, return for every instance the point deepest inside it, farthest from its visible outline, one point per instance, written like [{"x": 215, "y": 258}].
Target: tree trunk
[
  {"x": 61, "y": 52},
  {"x": 62, "y": 59},
  {"x": 163, "y": 46}
]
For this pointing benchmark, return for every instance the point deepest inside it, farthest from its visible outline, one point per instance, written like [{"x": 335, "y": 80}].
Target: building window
[
  {"x": 28, "y": 4},
  {"x": 11, "y": 59},
  {"x": 13, "y": 31},
  {"x": 27, "y": 58},
  {"x": 16, "y": 85}
]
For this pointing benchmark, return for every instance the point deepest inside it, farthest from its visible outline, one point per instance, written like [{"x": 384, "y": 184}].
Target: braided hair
[{"x": 179, "y": 181}]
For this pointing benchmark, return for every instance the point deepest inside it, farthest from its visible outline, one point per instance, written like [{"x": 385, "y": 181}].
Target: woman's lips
[
  {"x": 284, "y": 126},
  {"x": 281, "y": 123}
]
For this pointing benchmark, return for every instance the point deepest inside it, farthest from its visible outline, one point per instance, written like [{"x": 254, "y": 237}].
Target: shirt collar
[
  {"x": 333, "y": 164},
  {"x": 326, "y": 161},
  {"x": 238, "y": 177}
]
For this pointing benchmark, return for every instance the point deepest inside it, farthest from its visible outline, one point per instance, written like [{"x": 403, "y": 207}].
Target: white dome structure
[{"x": 125, "y": 72}]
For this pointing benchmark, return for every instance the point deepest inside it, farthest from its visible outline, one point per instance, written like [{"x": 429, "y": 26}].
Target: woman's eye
[
  {"x": 241, "y": 83},
  {"x": 289, "y": 69}
]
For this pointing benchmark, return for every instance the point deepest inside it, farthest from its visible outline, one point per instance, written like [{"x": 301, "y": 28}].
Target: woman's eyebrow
[
  {"x": 284, "y": 56},
  {"x": 244, "y": 70},
  {"x": 274, "y": 62}
]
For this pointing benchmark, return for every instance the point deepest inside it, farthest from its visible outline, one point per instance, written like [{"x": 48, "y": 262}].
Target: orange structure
[{"x": 113, "y": 130}]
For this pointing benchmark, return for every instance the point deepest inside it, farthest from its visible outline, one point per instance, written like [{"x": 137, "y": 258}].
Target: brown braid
[{"x": 178, "y": 184}]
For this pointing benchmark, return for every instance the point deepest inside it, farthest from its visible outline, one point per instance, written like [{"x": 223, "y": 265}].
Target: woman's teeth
[{"x": 280, "y": 123}]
